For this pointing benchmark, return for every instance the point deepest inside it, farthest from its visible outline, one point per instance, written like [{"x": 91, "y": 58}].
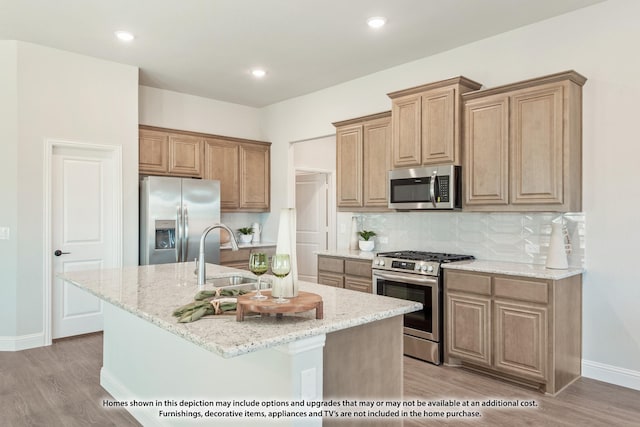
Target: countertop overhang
[{"x": 152, "y": 293}]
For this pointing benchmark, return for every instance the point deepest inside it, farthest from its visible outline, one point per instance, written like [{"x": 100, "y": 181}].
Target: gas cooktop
[{"x": 425, "y": 256}]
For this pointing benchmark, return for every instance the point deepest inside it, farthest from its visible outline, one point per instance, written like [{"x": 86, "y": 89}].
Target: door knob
[{"x": 58, "y": 252}]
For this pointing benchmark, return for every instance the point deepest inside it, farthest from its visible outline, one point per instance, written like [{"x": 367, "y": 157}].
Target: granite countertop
[
  {"x": 153, "y": 292},
  {"x": 227, "y": 246},
  {"x": 347, "y": 253},
  {"x": 513, "y": 268}
]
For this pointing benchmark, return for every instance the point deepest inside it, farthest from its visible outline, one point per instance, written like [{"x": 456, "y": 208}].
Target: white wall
[
  {"x": 599, "y": 42},
  {"x": 8, "y": 185},
  {"x": 65, "y": 96},
  {"x": 175, "y": 110}
]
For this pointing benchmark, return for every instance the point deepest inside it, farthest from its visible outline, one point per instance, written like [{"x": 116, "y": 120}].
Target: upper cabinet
[
  {"x": 165, "y": 153},
  {"x": 363, "y": 157},
  {"x": 242, "y": 166},
  {"x": 523, "y": 146},
  {"x": 427, "y": 123},
  {"x": 243, "y": 169}
]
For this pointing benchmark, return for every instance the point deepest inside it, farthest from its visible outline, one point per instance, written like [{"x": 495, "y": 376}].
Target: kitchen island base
[{"x": 158, "y": 374}]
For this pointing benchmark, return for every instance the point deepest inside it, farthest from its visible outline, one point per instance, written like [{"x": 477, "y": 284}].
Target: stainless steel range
[{"x": 416, "y": 276}]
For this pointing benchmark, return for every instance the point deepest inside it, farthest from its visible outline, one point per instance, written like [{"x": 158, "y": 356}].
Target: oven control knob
[
  {"x": 430, "y": 269},
  {"x": 381, "y": 262},
  {"x": 423, "y": 268}
]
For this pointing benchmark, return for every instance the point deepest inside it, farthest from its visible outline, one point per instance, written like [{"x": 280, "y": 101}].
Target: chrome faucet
[{"x": 202, "y": 265}]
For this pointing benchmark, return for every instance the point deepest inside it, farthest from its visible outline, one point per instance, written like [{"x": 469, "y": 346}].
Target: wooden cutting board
[{"x": 305, "y": 301}]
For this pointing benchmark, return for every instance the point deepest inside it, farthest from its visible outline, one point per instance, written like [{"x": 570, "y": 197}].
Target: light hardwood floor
[{"x": 60, "y": 386}]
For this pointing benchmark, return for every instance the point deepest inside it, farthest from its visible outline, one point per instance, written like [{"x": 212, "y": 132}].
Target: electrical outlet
[{"x": 4, "y": 233}]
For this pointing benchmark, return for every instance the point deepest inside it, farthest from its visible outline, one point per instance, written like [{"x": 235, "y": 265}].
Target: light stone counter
[
  {"x": 514, "y": 269},
  {"x": 153, "y": 292},
  {"x": 227, "y": 246},
  {"x": 346, "y": 253}
]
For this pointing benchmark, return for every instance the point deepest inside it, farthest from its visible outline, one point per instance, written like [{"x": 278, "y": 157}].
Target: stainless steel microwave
[{"x": 426, "y": 187}]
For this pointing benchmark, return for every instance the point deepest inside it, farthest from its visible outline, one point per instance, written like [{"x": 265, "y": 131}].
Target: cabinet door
[
  {"x": 537, "y": 146},
  {"x": 330, "y": 279},
  {"x": 469, "y": 328},
  {"x": 407, "y": 129},
  {"x": 377, "y": 161},
  {"x": 438, "y": 127},
  {"x": 221, "y": 162},
  {"x": 255, "y": 177},
  {"x": 185, "y": 155},
  {"x": 357, "y": 284},
  {"x": 521, "y": 339},
  {"x": 349, "y": 166},
  {"x": 486, "y": 147},
  {"x": 153, "y": 154}
]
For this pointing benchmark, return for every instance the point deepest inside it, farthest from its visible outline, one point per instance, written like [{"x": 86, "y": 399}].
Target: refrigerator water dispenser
[{"x": 165, "y": 234}]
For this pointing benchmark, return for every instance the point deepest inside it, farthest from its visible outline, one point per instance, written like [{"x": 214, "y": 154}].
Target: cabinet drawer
[
  {"x": 331, "y": 279},
  {"x": 526, "y": 290},
  {"x": 357, "y": 284},
  {"x": 335, "y": 265},
  {"x": 465, "y": 282},
  {"x": 357, "y": 268},
  {"x": 229, "y": 256}
]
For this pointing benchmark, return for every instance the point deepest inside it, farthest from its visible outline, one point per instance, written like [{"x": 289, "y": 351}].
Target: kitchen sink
[{"x": 238, "y": 282}]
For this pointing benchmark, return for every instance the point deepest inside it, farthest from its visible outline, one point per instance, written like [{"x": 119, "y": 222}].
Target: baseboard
[
  {"x": 22, "y": 342},
  {"x": 122, "y": 394},
  {"x": 611, "y": 374}
]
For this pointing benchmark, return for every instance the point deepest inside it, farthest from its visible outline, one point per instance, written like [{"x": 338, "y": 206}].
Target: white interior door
[
  {"x": 82, "y": 233},
  {"x": 312, "y": 222}
]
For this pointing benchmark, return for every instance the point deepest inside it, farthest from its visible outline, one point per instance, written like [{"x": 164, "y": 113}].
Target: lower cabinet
[
  {"x": 343, "y": 272},
  {"x": 240, "y": 258},
  {"x": 523, "y": 329}
]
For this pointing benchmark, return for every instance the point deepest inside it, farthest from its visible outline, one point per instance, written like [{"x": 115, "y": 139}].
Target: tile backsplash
[{"x": 516, "y": 237}]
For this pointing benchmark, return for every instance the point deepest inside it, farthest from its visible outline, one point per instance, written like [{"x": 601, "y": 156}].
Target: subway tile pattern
[{"x": 512, "y": 237}]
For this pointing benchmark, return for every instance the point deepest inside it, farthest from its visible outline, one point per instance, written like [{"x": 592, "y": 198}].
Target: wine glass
[
  {"x": 258, "y": 265},
  {"x": 280, "y": 267}
]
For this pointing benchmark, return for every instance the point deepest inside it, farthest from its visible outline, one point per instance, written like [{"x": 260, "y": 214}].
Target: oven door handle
[{"x": 407, "y": 278}]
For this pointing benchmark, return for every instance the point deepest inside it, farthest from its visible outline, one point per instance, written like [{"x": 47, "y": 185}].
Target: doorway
[
  {"x": 83, "y": 214},
  {"x": 312, "y": 221}
]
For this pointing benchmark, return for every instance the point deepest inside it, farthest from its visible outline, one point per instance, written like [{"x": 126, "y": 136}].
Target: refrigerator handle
[
  {"x": 185, "y": 239},
  {"x": 179, "y": 232}
]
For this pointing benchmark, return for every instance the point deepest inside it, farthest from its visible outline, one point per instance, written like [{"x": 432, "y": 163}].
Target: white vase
[
  {"x": 245, "y": 238},
  {"x": 366, "y": 245},
  {"x": 286, "y": 244},
  {"x": 557, "y": 256},
  {"x": 353, "y": 237}
]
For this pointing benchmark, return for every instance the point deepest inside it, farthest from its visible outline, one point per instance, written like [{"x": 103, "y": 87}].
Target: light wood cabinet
[
  {"x": 222, "y": 162},
  {"x": 243, "y": 170},
  {"x": 242, "y": 166},
  {"x": 427, "y": 123},
  {"x": 162, "y": 153},
  {"x": 255, "y": 175},
  {"x": 523, "y": 329},
  {"x": 343, "y": 272},
  {"x": 363, "y": 153},
  {"x": 240, "y": 259},
  {"x": 523, "y": 146}
]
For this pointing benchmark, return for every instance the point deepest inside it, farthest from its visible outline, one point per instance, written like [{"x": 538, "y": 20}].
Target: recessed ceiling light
[
  {"x": 259, "y": 73},
  {"x": 124, "y": 36},
  {"x": 376, "y": 21}
]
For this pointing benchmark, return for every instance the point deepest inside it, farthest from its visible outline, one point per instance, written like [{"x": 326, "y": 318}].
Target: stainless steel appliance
[
  {"x": 428, "y": 187},
  {"x": 416, "y": 276},
  {"x": 173, "y": 214}
]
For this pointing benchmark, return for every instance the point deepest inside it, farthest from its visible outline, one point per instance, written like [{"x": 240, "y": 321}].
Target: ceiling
[{"x": 208, "y": 47}]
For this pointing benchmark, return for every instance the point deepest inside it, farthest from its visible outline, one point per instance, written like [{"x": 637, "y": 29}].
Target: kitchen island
[{"x": 220, "y": 371}]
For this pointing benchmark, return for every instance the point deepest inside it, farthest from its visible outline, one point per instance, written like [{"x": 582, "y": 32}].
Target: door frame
[
  {"x": 47, "y": 216},
  {"x": 331, "y": 201}
]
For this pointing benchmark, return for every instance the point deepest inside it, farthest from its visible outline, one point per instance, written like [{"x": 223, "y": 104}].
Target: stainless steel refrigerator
[{"x": 173, "y": 214}]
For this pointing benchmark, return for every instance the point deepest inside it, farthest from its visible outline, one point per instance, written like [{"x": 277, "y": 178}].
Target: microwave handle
[{"x": 432, "y": 188}]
